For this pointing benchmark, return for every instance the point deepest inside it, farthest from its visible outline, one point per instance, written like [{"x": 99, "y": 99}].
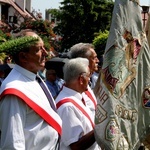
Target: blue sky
[{"x": 41, "y": 5}]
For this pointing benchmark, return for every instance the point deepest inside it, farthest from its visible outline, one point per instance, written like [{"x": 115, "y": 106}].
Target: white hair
[{"x": 74, "y": 67}]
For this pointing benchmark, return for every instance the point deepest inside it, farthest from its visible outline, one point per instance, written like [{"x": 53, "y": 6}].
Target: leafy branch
[{"x": 15, "y": 45}]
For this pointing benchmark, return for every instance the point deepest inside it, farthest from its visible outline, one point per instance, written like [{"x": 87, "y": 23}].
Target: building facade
[{"x": 14, "y": 11}]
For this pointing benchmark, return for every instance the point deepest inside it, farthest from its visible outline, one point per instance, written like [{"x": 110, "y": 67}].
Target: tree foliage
[
  {"x": 81, "y": 19},
  {"x": 4, "y": 36},
  {"x": 11, "y": 47},
  {"x": 100, "y": 42},
  {"x": 42, "y": 27}
]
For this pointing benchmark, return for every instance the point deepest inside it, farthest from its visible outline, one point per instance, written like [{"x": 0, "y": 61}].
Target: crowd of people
[{"x": 39, "y": 110}]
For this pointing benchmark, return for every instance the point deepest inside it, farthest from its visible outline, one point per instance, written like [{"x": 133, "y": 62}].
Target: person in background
[
  {"x": 7, "y": 60},
  {"x": 96, "y": 73},
  {"x": 51, "y": 82},
  {"x": 42, "y": 73},
  {"x": 77, "y": 119},
  {"x": 60, "y": 82},
  {"x": 86, "y": 50},
  {"x": 94, "y": 78},
  {"x": 5, "y": 68},
  {"x": 28, "y": 118}
]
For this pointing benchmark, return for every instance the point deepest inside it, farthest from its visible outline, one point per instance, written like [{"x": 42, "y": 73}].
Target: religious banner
[
  {"x": 147, "y": 29},
  {"x": 123, "y": 88}
]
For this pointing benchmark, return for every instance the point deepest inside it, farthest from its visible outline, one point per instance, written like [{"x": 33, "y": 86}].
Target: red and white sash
[
  {"x": 88, "y": 93},
  {"x": 49, "y": 118},
  {"x": 67, "y": 100}
]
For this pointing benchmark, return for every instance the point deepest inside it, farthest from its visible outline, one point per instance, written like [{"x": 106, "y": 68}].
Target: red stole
[
  {"x": 40, "y": 111},
  {"x": 91, "y": 97},
  {"x": 66, "y": 100}
]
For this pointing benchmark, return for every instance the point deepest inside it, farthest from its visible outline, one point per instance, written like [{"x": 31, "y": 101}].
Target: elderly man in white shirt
[
  {"x": 77, "y": 118},
  {"x": 86, "y": 50},
  {"x": 28, "y": 118}
]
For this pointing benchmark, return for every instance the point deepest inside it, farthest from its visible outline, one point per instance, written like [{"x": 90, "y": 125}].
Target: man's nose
[{"x": 97, "y": 60}]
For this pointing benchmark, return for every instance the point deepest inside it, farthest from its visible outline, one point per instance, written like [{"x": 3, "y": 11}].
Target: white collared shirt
[
  {"x": 89, "y": 102},
  {"x": 74, "y": 123},
  {"x": 22, "y": 128}
]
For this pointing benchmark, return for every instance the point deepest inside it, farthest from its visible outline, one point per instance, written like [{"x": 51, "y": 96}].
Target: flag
[
  {"x": 147, "y": 29},
  {"x": 123, "y": 87}
]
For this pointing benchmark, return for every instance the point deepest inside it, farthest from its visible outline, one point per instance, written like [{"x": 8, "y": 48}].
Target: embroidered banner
[{"x": 123, "y": 88}]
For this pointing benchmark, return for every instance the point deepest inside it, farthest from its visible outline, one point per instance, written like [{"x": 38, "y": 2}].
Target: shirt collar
[
  {"x": 25, "y": 72},
  {"x": 71, "y": 92}
]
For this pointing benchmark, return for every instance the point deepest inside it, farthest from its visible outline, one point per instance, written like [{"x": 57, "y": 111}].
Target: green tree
[
  {"x": 100, "y": 42},
  {"x": 43, "y": 28},
  {"x": 54, "y": 12},
  {"x": 81, "y": 19},
  {"x": 4, "y": 36}
]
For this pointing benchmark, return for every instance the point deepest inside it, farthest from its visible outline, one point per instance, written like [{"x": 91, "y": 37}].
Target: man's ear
[
  {"x": 23, "y": 56},
  {"x": 81, "y": 79}
]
